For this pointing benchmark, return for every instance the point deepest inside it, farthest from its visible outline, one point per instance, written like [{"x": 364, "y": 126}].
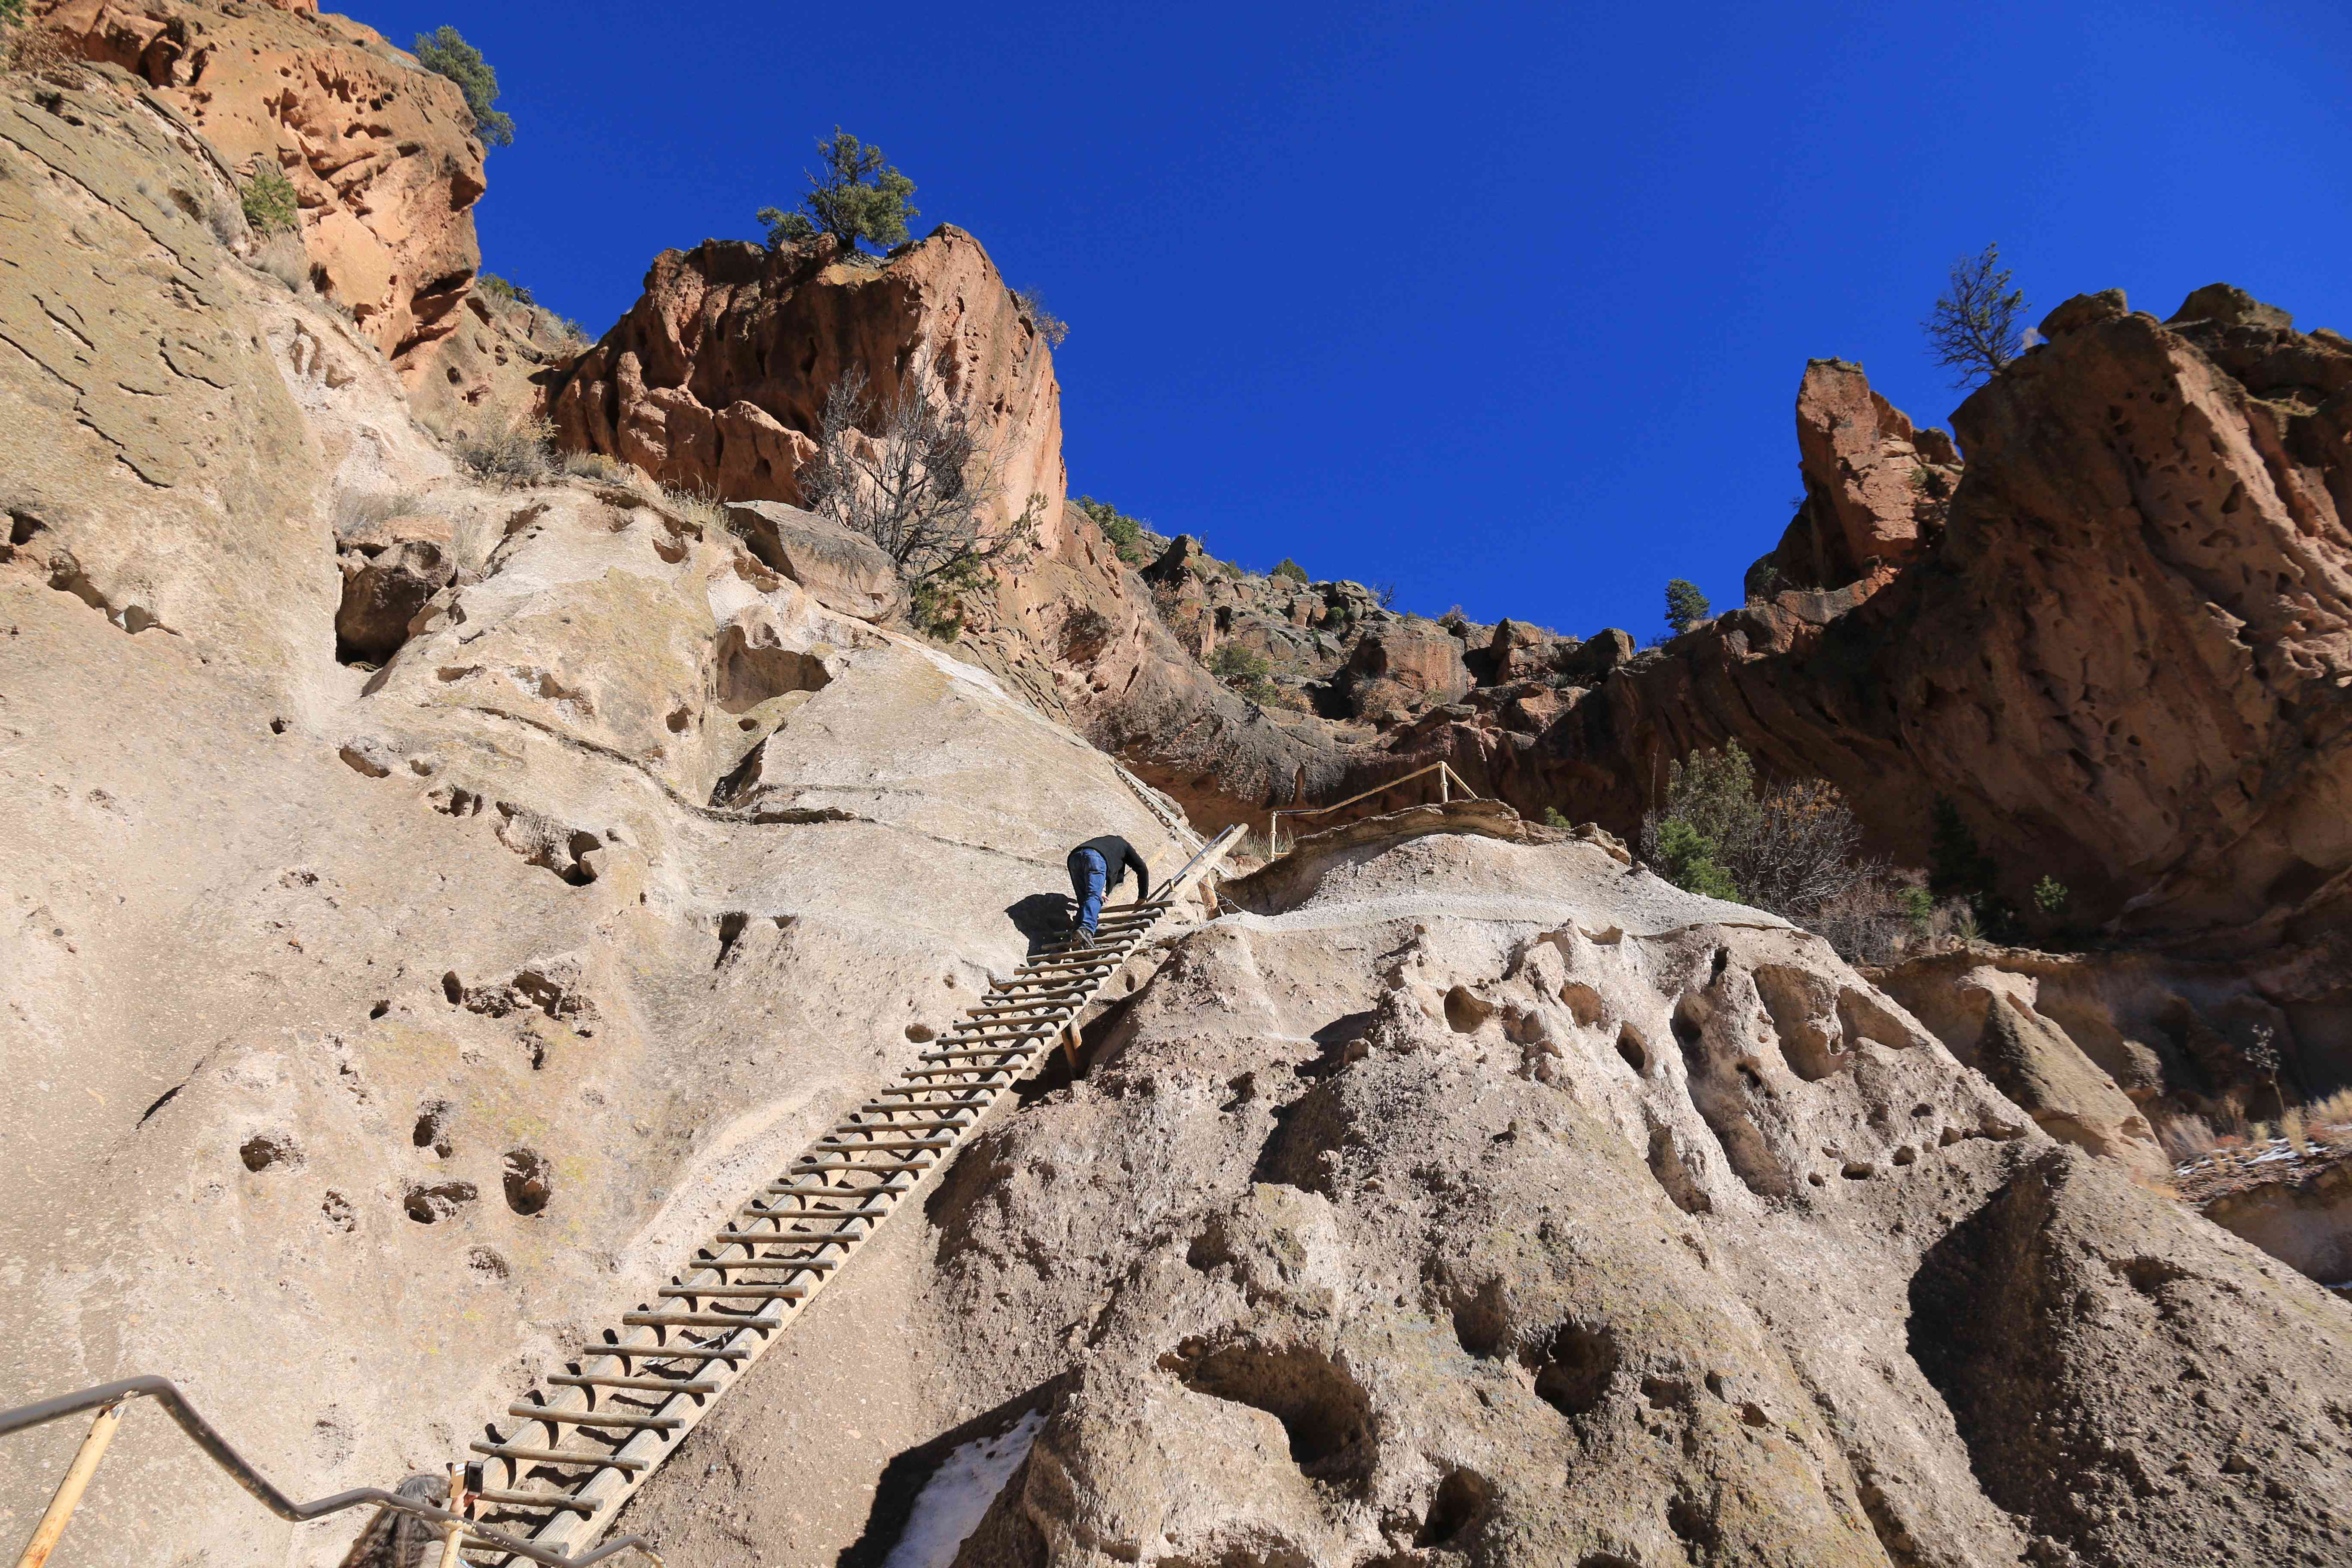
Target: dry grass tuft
[
  {"x": 281, "y": 257},
  {"x": 2185, "y": 1138}
]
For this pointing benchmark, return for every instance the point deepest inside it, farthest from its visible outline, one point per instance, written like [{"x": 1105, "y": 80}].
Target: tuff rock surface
[
  {"x": 1464, "y": 1198},
  {"x": 380, "y": 150},
  {"x": 431, "y": 906},
  {"x": 372, "y": 1033}
]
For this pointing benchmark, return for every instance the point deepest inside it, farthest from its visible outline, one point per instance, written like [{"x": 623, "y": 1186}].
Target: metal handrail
[
  {"x": 106, "y": 1396},
  {"x": 1445, "y": 776}
]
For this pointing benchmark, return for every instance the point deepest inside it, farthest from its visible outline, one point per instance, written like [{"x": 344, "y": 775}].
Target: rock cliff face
[
  {"x": 715, "y": 382},
  {"x": 1476, "y": 1200},
  {"x": 381, "y": 152},
  {"x": 717, "y": 378},
  {"x": 431, "y": 906},
  {"x": 2127, "y": 655},
  {"x": 373, "y": 1022}
]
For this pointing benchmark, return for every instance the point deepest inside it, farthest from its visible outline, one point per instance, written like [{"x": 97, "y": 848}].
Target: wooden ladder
[{"x": 581, "y": 1444}]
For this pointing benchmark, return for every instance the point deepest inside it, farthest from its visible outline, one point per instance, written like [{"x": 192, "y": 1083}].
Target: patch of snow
[{"x": 951, "y": 1502}]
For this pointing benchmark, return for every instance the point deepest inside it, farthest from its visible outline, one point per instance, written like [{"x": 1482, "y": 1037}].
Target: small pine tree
[
  {"x": 1686, "y": 857},
  {"x": 498, "y": 288},
  {"x": 12, "y": 14},
  {"x": 1686, "y": 605},
  {"x": 1290, "y": 569},
  {"x": 271, "y": 205},
  {"x": 445, "y": 52},
  {"x": 2049, "y": 896},
  {"x": 1125, "y": 532},
  {"x": 857, "y": 198}
]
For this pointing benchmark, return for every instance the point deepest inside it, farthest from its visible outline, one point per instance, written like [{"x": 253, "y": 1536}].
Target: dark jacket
[{"x": 1117, "y": 855}]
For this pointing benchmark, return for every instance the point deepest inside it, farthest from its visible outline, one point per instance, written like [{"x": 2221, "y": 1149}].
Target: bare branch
[
  {"x": 1974, "y": 327},
  {"x": 921, "y": 480}
]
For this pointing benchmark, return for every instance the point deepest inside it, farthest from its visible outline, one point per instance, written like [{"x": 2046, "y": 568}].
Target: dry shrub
[
  {"x": 1872, "y": 921},
  {"x": 518, "y": 455}
]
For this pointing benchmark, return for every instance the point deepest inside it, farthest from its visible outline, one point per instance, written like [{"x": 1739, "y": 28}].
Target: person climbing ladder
[{"x": 1097, "y": 867}]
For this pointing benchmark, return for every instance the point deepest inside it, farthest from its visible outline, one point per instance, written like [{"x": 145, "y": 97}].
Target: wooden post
[
  {"x": 1445, "y": 781},
  {"x": 453, "y": 1534},
  {"x": 1070, "y": 1045},
  {"x": 69, "y": 1490}
]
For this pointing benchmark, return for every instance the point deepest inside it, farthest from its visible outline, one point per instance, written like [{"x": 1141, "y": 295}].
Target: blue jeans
[{"x": 1087, "y": 873}]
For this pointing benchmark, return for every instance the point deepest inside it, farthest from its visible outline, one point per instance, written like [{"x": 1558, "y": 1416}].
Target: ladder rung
[
  {"x": 593, "y": 1419},
  {"x": 812, "y": 1166},
  {"x": 674, "y": 1353},
  {"x": 884, "y": 1146},
  {"x": 693, "y": 1320},
  {"x": 558, "y": 1456},
  {"x": 855, "y": 1194},
  {"x": 745, "y": 1292},
  {"x": 1008, "y": 1049},
  {"x": 775, "y": 1238},
  {"x": 650, "y": 1385},
  {"x": 964, "y": 1118},
  {"x": 753, "y": 1211},
  {"x": 536, "y": 1500}
]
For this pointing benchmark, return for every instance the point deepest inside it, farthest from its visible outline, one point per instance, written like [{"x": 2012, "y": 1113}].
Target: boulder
[{"x": 844, "y": 570}]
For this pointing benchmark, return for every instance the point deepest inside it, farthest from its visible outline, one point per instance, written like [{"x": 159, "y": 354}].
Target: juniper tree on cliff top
[
  {"x": 445, "y": 52},
  {"x": 1973, "y": 328},
  {"x": 1686, "y": 605},
  {"x": 857, "y": 197}
]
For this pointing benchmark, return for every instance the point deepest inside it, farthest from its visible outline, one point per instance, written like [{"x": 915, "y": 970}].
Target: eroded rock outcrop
[
  {"x": 354, "y": 1015},
  {"x": 715, "y": 383},
  {"x": 1473, "y": 1198},
  {"x": 2128, "y": 659},
  {"x": 380, "y": 150}
]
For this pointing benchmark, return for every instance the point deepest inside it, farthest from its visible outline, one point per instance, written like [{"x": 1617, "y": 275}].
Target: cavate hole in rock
[
  {"x": 382, "y": 1006},
  {"x": 428, "y": 1205},
  {"x": 529, "y": 1181},
  {"x": 748, "y": 675},
  {"x": 1804, "y": 1008},
  {"x": 1694, "y": 1525},
  {"x": 264, "y": 1150},
  {"x": 384, "y": 586},
  {"x": 731, "y": 931},
  {"x": 1324, "y": 1414},
  {"x": 1455, "y": 1512},
  {"x": 487, "y": 1264},
  {"x": 1465, "y": 1013},
  {"x": 1480, "y": 1324},
  {"x": 1574, "y": 1367},
  {"x": 1583, "y": 1002},
  {"x": 1666, "y": 1165},
  {"x": 1635, "y": 1050},
  {"x": 431, "y": 1128},
  {"x": 1690, "y": 1029}
]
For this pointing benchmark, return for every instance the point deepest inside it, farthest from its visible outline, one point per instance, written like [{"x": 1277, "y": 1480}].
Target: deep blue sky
[{"x": 1506, "y": 304}]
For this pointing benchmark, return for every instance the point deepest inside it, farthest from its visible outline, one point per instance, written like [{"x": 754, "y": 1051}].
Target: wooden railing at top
[{"x": 1446, "y": 779}]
